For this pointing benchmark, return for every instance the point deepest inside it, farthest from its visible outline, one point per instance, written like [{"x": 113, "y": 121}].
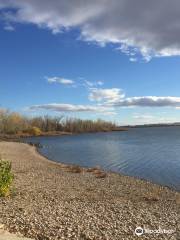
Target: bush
[
  {"x": 6, "y": 178},
  {"x": 35, "y": 131}
]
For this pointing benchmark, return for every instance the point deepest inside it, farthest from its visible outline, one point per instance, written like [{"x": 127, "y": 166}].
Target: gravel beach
[{"x": 50, "y": 201}]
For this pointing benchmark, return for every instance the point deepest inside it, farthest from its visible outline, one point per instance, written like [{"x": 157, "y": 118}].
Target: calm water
[{"x": 149, "y": 153}]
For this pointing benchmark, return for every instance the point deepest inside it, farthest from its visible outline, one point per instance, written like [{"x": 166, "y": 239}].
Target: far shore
[
  {"x": 10, "y": 137},
  {"x": 57, "y": 201}
]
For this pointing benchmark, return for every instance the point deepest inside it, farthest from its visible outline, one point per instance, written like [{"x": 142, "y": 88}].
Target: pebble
[{"x": 52, "y": 204}]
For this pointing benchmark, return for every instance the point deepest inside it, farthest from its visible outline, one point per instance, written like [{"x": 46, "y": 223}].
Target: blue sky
[{"x": 55, "y": 67}]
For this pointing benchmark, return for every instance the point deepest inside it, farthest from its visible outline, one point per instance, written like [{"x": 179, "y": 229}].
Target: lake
[{"x": 150, "y": 153}]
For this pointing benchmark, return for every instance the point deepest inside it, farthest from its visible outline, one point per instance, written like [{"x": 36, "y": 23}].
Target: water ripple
[{"x": 149, "y": 153}]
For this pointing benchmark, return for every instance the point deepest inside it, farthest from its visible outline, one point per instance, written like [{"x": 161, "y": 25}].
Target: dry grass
[
  {"x": 151, "y": 199},
  {"x": 74, "y": 169},
  {"x": 178, "y": 199},
  {"x": 97, "y": 172},
  {"x": 100, "y": 174},
  {"x": 153, "y": 196},
  {"x": 91, "y": 170}
]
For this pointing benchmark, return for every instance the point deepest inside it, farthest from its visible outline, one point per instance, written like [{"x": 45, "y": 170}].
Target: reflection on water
[{"x": 149, "y": 153}]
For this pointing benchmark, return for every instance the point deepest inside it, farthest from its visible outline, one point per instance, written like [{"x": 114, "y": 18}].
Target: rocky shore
[{"x": 53, "y": 201}]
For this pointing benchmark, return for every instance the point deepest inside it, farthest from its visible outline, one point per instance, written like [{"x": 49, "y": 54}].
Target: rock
[{"x": 1, "y": 226}]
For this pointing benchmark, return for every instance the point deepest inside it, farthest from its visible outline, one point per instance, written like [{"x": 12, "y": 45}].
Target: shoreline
[
  {"x": 37, "y": 146},
  {"x": 16, "y": 137},
  {"x": 86, "y": 168},
  {"x": 68, "y": 204}
]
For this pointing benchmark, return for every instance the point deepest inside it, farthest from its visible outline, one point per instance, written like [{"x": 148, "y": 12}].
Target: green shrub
[{"x": 6, "y": 178}]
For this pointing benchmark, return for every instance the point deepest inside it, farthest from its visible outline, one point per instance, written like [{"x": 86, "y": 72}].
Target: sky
[{"x": 117, "y": 60}]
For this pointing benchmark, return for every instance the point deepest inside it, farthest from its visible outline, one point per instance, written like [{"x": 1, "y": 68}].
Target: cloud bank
[
  {"x": 109, "y": 108},
  {"x": 148, "y": 101},
  {"x": 147, "y": 118},
  {"x": 150, "y": 28},
  {"x": 60, "y": 107}
]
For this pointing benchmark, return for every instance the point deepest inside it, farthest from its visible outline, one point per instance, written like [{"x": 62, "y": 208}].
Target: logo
[{"x": 139, "y": 231}]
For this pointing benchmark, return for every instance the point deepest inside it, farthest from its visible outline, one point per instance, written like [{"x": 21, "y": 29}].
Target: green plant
[{"x": 6, "y": 178}]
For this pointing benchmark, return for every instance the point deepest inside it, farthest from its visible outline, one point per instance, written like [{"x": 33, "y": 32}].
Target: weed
[{"x": 6, "y": 178}]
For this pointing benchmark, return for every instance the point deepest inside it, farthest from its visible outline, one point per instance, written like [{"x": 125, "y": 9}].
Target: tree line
[{"x": 15, "y": 123}]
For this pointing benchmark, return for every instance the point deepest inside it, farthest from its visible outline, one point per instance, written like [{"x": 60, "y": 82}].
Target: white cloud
[
  {"x": 148, "y": 101},
  {"x": 60, "y": 80},
  {"x": 93, "y": 84},
  {"x": 110, "y": 113},
  {"x": 9, "y": 28},
  {"x": 143, "y": 117},
  {"x": 100, "y": 83},
  {"x": 60, "y": 107},
  {"x": 110, "y": 108},
  {"x": 132, "y": 59},
  {"x": 107, "y": 95},
  {"x": 148, "y": 27},
  {"x": 151, "y": 119}
]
